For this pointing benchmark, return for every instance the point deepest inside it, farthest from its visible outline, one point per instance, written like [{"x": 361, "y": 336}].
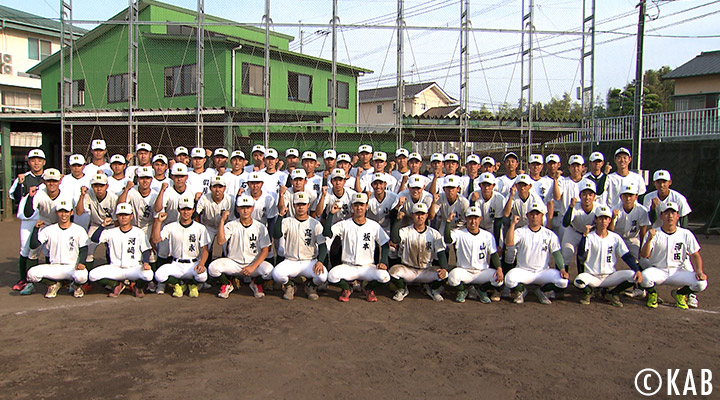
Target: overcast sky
[{"x": 676, "y": 31}]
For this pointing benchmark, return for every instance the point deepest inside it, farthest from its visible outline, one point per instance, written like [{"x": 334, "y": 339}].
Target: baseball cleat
[
  {"x": 225, "y": 291},
  {"x": 483, "y": 297},
  {"x": 117, "y": 290},
  {"x": 680, "y": 300},
  {"x": 434, "y": 294},
  {"x": 401, "y": 294},
  {"x": 78, "y": 292},
  {"x": 542, "y": 297},
  {"x": 460, "y": 297},
  {"x": 506, "y": 292},
  {"x": 52, "y": 290},
  {"x": 637, "y": 293},
  {"x": 370, "y": 294},
  {"x": 613, "y": 299},
  {"x": 357, "y": 287},
  {"x": 28, "y": 289},
  {"x": 652, "y": 300},
  {"x": 692, "y": 300},
  {"x": 311, "y": 291},
  {"x": 345, "y": 295},
  {"x": 257, "y": 290},
  {"x": 551, "y": 295},
  {"x": 472, "y": 293},
  {"x": 178, "y": 290},
  {"x": 495, "y": 296},
  {"x": 204, "y": 286},
  {"x": 518, "y": 297},
  {"x": 19, "y": 286},
  {"x": 138, "y": 292},
  {"x": 288, "y": 291},
  {"x": 160, "y": 288},
  {"x": 193, "y": 290},
  {"x": 236, "y": 282},
  {"x": 585, "y": 299},
  {"x": 151, "y": 287}
]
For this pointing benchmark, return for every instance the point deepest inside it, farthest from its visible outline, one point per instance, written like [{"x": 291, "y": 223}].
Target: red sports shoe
[
  {"x": 19, "y": 286},
  {"x": 345, "y": 295},
  {"x": 371, "y": 296}
]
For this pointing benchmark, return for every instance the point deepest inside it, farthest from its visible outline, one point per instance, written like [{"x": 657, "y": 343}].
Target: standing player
[
  {"x": 315, "y": 181},
  {"x": 199, "y": 178},
  {"x": 339, "y": 195},
  {"x": 619, "y": 178},
  {"x": 142, "y": 201},
  {"x": 365, "y": 153},
  {"x": 100, "y": 203},
  {"x": 248, "y": 246},
  {"x": 344, "y": 162},
  {"x": 577, "y": 216},
  {"x": 305, "y": 249},
  {"x": 598, "y": 252},
  {"x": 507, "y": 181},
  {"x": 219, "y": 160},
  {"x": 379, "y": 164},
  {"x": 273, "y": 178},
  {"x": 452, "y": 203},
  {"x": 413, "y": 195},
  {"x": 188, "y": 242},
  {"x": 98, "y": 150},
  {"x": 129, "y": 251},
  {"x": 118, "y": 179},
  {"x": 521, "y": 196},
  {"x": 143, "y": 155},
  {"x": 598, "y": 174},
  {"x": 402, "y": 171},
  {"x": 285, "y": 201},
  {"x": 182, "y": 156},
  {"x": 381, "y": 202},
  {"x": 258, "y": 156},
  {"x": 663, "y": 194},
  {"x": 236, "y": 178},
  {"x": 291, "y": 159},
  {"x": 630, "y": 219},
  {"x": 359, "y": 237},
  {"x": 491, "y": 203},
  {"x": 211, "y": 206},
  {"x": 72, "y": 182},
  {"x": 437, "y": 161},
  {"x": 569, "y": 189},
  {"x": 470, "y": 182}
]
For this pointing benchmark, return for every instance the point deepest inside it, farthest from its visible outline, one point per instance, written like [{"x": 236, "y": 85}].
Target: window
[
  {"x": 117, "y": 88},
  {"x": 180, "y": 81},
  {"x": 379, "y": 108},
  {"x": 21, "y": 100},
  {"x": 343, "y": 94},
  {"x": 252, "y": 79},
  {"x": 39, "y": 49},
  {"x": 78, "y": 93},
  {"x": 299, "y": 87},
  {"x": 423, "y": 106}
]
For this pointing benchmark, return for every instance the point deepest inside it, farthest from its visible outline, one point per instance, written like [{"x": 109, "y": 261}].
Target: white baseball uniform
[
  {"x": 72, "y": 185},
  {"x": 416, "y": 251},
  {"x": 344, "y": 199},
  {"x": 367, "y": 180},
  {"x": 210, "y": 212},
  {"x": 358, "y": 251},
  {"x": 504, "y": 183},
  {"x": 156, "y": 184},
  {"x": 185, "y": 244},
  {"x": 670, "y": 260},
  {"x": 425, "y": 197},
  {"x": 579, "y": 219},
  {"x": 63, "y": 246},
  {"x": 98, "y": 210},
  {"x": 616, "y": 182},
  {"x": 126, "y": 261},
  {"x": 602, "y": 255},
  {"x": 301, "y": 251},
  {"x": 244, "y": 243},
  {"x": 491, "y": 209},
  {"x": 92, "y": 169},
  {"x": 200, "y": 183},
  {"x": 674, "y": 197},
  {"x": 473, "y": 253},
  {"x": 379, "y": 211},
  {"x": 534, "y": 250},
  {"x": 116, "y": 186},
  {"x": 628, "y": 224},
  {"x": 288, "y": 199},
  {"x": 459, "y": 206},
  {"x": 520, "y": 207}
]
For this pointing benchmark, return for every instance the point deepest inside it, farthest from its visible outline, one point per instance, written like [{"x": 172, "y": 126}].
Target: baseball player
[
  {"x": 129, "y": 251},
  {"x": 630, "y": 219},
  {"x": 315, "y": 181},
  {"x": 379, "y": 165},
  {"x": 359, "y": 237},
  {"x": 257, "y": 153},
  {"x": 339, "y": 195},
  {"x": 98, "y": 151},
  {"x": 437, "y": 177},
  {"x": 414, "y": 164},
  {"x": 72, "y": 182},
  {"x": 219, "y": 161},
  {"x": 402, "y": 171},
  {"x": 470, "y": 182},
  {"x": 569, "y": 189},
  {"x": 344, "y": 162},
  {"x": 292, "y": 156},
  {"x": 248, "y": 246},
  {"x": 330, "y": 159},
  {"x": 168, "y": 201},
  {"x": 477, "y": 260},
  {"x": 451, "y": 203},
  {"x": 144, "y": 157},
  {"x": 273, "y": 177},
  {"x": 451, "y": 164},
  {"x": 118, "y": 179},
  {"x": 535, "y": 245},
  {"x": 100, "y": 203},
  {"x": 182, "y": 156},
  {"x": 160, "y": 170},
  {"x": 418, "y": 246},
  {"x": 619, "y": 178},
  {"x": 210, "y": 208},
  {"x": 66, "y": 244},
  {"x": 44, "y": 200},
  {"x": 543, "y": 185},
  {"x": 364, "y": 155},
  {"x": 577, "y": 216},
  {"x": 491, "y": 203},
  {"x": 236, "y": 177},
  {"x": 188, "y": 242},
  {"x": 305, "y": 249},
  {"x": 488, "y": 164},
  {"x": 507, "y": 181},
  {"x": 18, "y": 191},
  {"x": 199, "y": 178},
  {"x": 598, "y": 252},
  {"x": 381, "y": 202},
  {"x": 598, "y": 173},
  {"x": 672, "y": 252},
  {"x": 414, "y": 194},
  {"x": 519, "y": 198},
  {"x": 142, "y": 201},
  {"x": 265, "y": 205},
  {"x": 285, "y": 200},
  {"x": 663, "y": 193}
]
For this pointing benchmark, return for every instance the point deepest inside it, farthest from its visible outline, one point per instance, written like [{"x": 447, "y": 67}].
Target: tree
[{"x": 657, "y": 95}]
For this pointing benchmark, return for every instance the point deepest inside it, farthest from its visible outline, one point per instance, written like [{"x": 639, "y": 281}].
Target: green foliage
[{"x": 657, "y": 95}]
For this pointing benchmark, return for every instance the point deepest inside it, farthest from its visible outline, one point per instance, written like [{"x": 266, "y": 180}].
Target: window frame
[
  {"x": 337, "y": 94},
  {"x": 123, "y": 88},
  {"x": 179, "y": 75},
  {"x": 245, "y": 69},
  {"x": 296, "y": 98}
]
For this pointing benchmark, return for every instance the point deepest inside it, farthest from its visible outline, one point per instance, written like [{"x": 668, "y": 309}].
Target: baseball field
[{"x": 161, "y": 347}]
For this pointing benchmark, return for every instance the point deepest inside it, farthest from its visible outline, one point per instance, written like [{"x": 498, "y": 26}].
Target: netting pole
[
  {"x": 333, "y": 94},
  {"x": 200, "y": 73},
  {"x": 132, "y": 72},
  {"x": 266, "y": 79},
  {"x": 464, "y": 75},
  {"x": 587, "y": 83},
  {"x": 400, "y": 98},
  {"x": 638, "y": 112},
  {"x": 527, "y": 79},
  {"x": 66, "y": 100}
]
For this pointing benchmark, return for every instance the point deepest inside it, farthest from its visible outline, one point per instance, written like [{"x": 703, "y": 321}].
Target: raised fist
[
  {"x": 615, "y": 213},
  {"x": 655, "y": 203},
  {"x": 405, "y": 179},
  {"x": 279, "y": 165},
  {"x": 651, "y": 233},
  {"x": 33, "y": 190},
  {"x": 162, "y": 216},
  {"x": 401, "y": 201},
  {"x": 451, "y": 217},
  {"x": 573, "y": 201},
  {"x": 164, "y": 186},
  {"x": 588, "y": 228},
  {"x": 224, "y": 216},
  {"x": 40, "y": 224},
  {"x": 608, "y": 168},
  {"x": 283, "y": 189},
  {"x": 515, "y": 219},
  {"x": 513, "y": 190},
  {"x": 324, "y": 190},
  {"x": 107, "y": 222},
  {"x": 326, "y": 174},
  {"x": 354, "y": 160},
  {"x": 83, "y": 190},
  {"x": 335, "y": 207},
  {"x": 21, "y": 178},
  {"x": 129, "y": 185},
  {"x": 129, "y": 157},
  {"x": 391, "y": 165},
  {"x": 474, "y": 197}
]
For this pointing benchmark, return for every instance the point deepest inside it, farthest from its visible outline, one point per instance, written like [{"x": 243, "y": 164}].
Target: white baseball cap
[
  {"x": 298, "y": 173},
  {"x": 487, "y": 177},
  {"x": 623, "y": 150},
  {"x": 255, "y": 177},
  {"x": 416, "y": 156},
  {"x": 99, "y": 179},
  {"x": 160, "y": 157},
  {"x": 309, "y": 155},
  {"x": 181, "y": 150},
  {"x": 301, "y": 198},
  {"x": 365, "y": 148},
  {"x": 488, "y": 160},
  {"x": 511, "y": 154},
  {"x": 64, "y": 205},
  {"x": 258, "y": 147},
  {"x": 661, "y": 175},
  {"x": 186, "y": 202},
  {"x": 117, "y": 158},
  {"x": 123, "y": 208},
  {"x": 451, "y": 181},
  {"x": 597, "y": 156},
  {"x": 344, "y": 157},
  {"x": 144, "y": 172},
  {"x": 337, "y": 173},
  {"x": 292, "y": 153},
  {"x": 359, "y": 198},
  {"x": 37, "y": 153},
  {"x": 670, "y": 205},
  {"x": 77, "y": 159},
  {"x": 198, "y": 152},
  {"x": 576, "y": 159},
  {"x": 237, "y": 153},
  {"x": 587, "y": 184},
  {"x": 329, "y": 153},
  {"x": 524, "y": 178},
  {"x": 143, "y": 146},
  {"x": 217, "y": 180},
  {"x": 437, "y": 157},
  {"x": 629, "y": 188},
  {"x": 245, "y": 201},
  {"x": 603, "y": 211},
  {"x": 380, "y": 155},
  {"x": 419, "y": 208},
  {"x": 401, "y": 152},
  {"x": 472, "y": 158},
  {"x": 379, "y": 177},
  {"x": 552, "y": 158},
  {"x": 179, "y": 169},
  {"x": 221, "y": 152},
  {"x": 98, "y": 144},
  {"x": 536, "y": 159},
  {"x": 416, "y": 181},
  {"x": 452, "y": 157},
  {"x": 51, "y": 174},
  {"x": 537, "y": 206},
  {"x": 473, "y": 212},
  {"x": 271, "y": 153}
]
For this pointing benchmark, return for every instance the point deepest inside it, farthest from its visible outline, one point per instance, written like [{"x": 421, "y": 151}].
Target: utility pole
[
  {"x": 302, "y": 34},
  {"x": 464, "y": 75},
  {"x": 400, "y": 99},
  {"x": 200, "y": 74},
  {"x": 333, "y": 94},
  {"x": 526, "y": 72},
  {"x": 638, "y": 103}
]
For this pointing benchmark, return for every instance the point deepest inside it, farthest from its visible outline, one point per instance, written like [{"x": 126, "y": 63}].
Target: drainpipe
[{"x": 232, "y": 68}]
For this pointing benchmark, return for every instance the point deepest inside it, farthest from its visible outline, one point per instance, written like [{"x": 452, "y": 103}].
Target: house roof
[
  {"x": 390, "y": 92},
  {"x": 443, "y": 111},
  {"x": 22, "y": 20},
  {"x": 707, "y": 63}
]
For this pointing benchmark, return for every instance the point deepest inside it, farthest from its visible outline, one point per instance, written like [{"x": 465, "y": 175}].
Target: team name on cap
[{"x": 160, "y": 157}]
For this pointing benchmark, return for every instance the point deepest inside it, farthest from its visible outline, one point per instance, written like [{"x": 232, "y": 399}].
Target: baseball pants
[
  {"x": 57, "y": 272},
  {"x": 472, "y": 276},
  {"x": 368, "y": 272},
  {"x": 519, "y": 275},
  {"x": 603, "y": 281},
  {"x": 118, "y": 273},
  {"x": 417, "y": 275},
  {"x": 571, "y": 239},
  {"x": 289, "y": 269},
  {"x": 558, "y": 227},
  {"x": 228, "y": 266},
  {"x": 675, "y": 277},
  {"x": 633, "y": 245},
  {"x": 26, "y": 228},
  {"x": 180, "y": 271}
]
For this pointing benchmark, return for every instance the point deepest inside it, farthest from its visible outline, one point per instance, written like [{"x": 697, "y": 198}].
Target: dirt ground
[{"x": 161, "y": 347}]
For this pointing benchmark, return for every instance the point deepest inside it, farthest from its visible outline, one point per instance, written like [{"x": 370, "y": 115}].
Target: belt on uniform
[
  {"x": 185, "y": 260},
  {"x": 556, "y": 213}
]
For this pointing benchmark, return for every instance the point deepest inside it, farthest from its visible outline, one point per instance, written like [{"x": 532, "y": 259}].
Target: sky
[{"x": 676, "y": 31}]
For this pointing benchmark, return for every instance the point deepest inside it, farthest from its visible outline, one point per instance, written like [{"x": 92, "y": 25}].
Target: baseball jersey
[
  {"x": 72, "y": 185},
  {"x": 288, "y": 199},
  {"x": 419, "y": 249},
  {"x": 569, "y": 190},
  {"x": 534, "y": 249},
  {"x": 100, "y": 209},
  {"x": 199, "y": 183},
  {"x": 491, "y": 209},
  {"x": 469, "y": 185},
  {"x": 117, "y": 185},
  {"x": 245, "y": 242},
  {"x": 358, "y": 241},
  {"x": 425, "y": 197},
  {"x": 616, "y": 182},
  {"x": 344, "y": 200},
  {"x": 131, "y": 171},
  {"x": 379, "y": 211},
  {"x": 580, "y": 218},
  {"x": 210, "y": 212},
  {"x": 142, "y": 208},
  {"x": 302, "y": 238},
  {"x": 601, "y": 185},
  {"x": 627, "y": 224},
  {"x": 603, "y": 253},
  {"x": 458, "y": 207},
  {"x": 273, "y": 181},
  {"x": 265, "y": 208},
  {"x": 544, "y": 188},
  {"x": 156, "y": 184},
  {"x": 45, "y": 206},
  {"x": 368, "y": 171},
  {"x": 171, "y": 201},
  {"x": 314, "y": 183},
  {"x": 672, "y": 250},
  {"x": 185, "y": 242},
  {"x": 366, "y": 182},
  {"x": 125, "y": 248},
  {"x": 233, "y": 183},
  {"x": 473, "y": 251},
  {"x": 63, "y": 245},
  {"x": 18, "y": 190},
  {"x": 92, "y": 169},
  {"x": 674, "y": 197},
  {"x": 439, "y": 184},
  {"x": 399, "y": 177},
  {"x": 520, "y": 207},
  {"x": 504, "y": 183}
]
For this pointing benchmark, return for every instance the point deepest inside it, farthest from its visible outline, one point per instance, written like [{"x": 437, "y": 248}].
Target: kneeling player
[
  {"x": 672, "y": 252},
  {"x": 418, "y": 246},
  {"x": 188, "y": 241},
  {"x": 474, "y": 247},
  {"x": 597, "y": 253},
  {"x": 358, "y": 236},
  {"x": 67, "y": 245},
  {"x": 535, "y": 245},
  {"x": 129, "y": 251},
  {"x": 305, "y": 249},
  {"x": 248, "y": 244}
]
